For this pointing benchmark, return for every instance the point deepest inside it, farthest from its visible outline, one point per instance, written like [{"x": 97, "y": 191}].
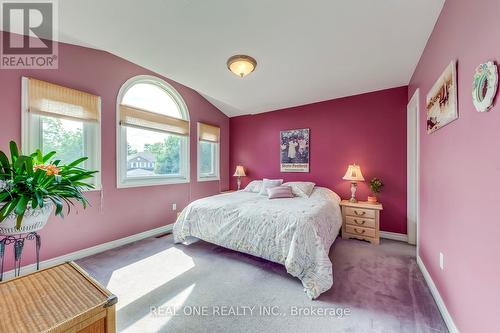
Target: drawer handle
[
  {"x": 357, "y": 231},
  {"x": 358, "y": 213},
  {"x": 360, "y": 223}
]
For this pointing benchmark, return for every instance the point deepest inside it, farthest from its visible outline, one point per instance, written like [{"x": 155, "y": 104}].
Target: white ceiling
[{"x": 307, "y": 51}]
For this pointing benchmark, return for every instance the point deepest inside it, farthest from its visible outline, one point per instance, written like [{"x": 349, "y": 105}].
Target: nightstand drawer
[
  {"x": 360, "y": 212},
  {"x": 360, "y": 222},
  {"x": 360, "y": 231}
]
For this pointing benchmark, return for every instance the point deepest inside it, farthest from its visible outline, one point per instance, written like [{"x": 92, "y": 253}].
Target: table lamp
[
  {"x": 240, "y": 172},
  {"x": 354, "y": 175}
]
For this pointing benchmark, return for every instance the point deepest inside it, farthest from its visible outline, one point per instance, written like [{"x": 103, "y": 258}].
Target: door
[{"x": 412, "y": 150}]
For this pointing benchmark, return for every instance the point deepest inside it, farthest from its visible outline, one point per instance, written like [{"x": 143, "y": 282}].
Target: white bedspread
[{"x": 295, "y": 232}]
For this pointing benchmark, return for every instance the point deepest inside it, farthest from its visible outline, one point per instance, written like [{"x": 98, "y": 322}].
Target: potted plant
[
  {"x": 376, "y": 186},
  {"x": 31, "y": 185}
]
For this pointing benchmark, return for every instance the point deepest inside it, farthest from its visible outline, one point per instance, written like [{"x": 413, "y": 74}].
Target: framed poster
[
  {"x": 294, "y": 149},
  {"x": 442, "y": 105}
]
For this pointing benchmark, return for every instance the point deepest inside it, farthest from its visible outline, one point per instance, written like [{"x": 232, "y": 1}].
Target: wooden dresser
[
  {"x": 62, "y": 298},
  {"x": 361, "y": 220}
]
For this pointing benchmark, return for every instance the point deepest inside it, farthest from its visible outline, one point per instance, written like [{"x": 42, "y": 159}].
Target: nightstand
[{"x": 361, "y": 220}]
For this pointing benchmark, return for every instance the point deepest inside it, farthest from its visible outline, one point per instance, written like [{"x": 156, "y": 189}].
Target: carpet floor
[{"x": 201, "y": 287}]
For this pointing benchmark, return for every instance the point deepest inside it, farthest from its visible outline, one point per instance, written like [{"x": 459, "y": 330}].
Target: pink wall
[
  {"x": 460, "y": 170},
  {"x": 122, "y": 212},
  {"x": 368, "y": 129}
]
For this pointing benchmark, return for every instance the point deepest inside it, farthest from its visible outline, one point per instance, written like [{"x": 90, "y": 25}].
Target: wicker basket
[{"x": 34, "y": 220}]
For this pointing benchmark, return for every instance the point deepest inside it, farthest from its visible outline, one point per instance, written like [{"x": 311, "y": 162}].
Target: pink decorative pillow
[{"x": 279, "y": 192}]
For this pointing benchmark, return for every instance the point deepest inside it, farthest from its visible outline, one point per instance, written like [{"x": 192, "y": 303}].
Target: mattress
[{"x": 296, "y": 232}]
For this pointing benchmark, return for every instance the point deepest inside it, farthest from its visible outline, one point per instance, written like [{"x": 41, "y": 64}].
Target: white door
[{"x": 412, "y": 142}]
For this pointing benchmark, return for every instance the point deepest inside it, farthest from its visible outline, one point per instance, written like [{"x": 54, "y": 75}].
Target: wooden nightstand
[{"x": 361, "y": 220}]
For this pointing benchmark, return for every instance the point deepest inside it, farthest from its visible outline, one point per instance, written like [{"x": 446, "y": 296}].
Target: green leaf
[
  {"x": 59, "y": 205},
  {"x": 4, "y": 162},
  {"x": 21, "y": 205},
  {"x": 78, "y": 161},
  {"x": 8, "y": 208},
  {"x": 39, "y": 198},
  {"x": 14, "y": 151},
  {"x": 20, "y": 161},
  {"x": 19, "y": 221},
  {"x": 4, "y": 195},
  {"x": 48, "y": 156},
  {"x": 39, "y": 156}
]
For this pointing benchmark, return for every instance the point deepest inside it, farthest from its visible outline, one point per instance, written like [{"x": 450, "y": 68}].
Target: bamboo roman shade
[
  {"x": 208, "y": 133},
  {"x": 53, "y": 100},
  {"x": 139, "y": 118}
]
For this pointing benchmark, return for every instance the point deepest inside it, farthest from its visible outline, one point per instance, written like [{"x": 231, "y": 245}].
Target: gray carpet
[{"x": 200, "y": 287}]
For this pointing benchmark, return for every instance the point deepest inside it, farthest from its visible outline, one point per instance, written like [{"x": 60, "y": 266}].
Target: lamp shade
[
  {"x": 353, "y": 173},
  {"x": 240, "y": 172}
]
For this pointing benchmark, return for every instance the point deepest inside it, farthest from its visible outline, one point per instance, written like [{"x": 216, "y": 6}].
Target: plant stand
[{"x": 18, "y": 241}]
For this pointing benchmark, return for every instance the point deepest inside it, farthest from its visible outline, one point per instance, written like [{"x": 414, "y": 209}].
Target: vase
[
  {"x": 372, "y": 199},
  {"x": 34, "y": 220}
]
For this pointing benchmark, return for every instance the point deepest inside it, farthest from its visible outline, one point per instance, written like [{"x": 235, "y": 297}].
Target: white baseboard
[
  {"x": 437, "y": 297},
  {"x": 394, "y": 236},
  {"x": 90, "y": 251}
]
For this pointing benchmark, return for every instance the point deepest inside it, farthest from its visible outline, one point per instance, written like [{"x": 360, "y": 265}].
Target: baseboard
[
  {"x": 394, "y": 236},
  {"x": 90, "y": 251},
  {"x": 437, "y": 297}
]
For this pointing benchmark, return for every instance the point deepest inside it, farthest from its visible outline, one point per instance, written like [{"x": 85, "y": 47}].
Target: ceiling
[{"x": 307, "y": 51}]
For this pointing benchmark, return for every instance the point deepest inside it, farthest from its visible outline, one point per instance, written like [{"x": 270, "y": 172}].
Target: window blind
[
  {"x": 208, "y": 133},
  {"x": 57, "y": 101},
  {"x": 143, "y": 119}
]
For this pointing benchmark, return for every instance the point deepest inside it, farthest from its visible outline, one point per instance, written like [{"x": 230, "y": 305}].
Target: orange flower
[{"x": 50, "y": 169}]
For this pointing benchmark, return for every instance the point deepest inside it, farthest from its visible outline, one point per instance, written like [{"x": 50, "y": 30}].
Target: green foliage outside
[
  {"x": 67, "y": 143},
  {"x": 206, "y": 157},
  {"x": 167, "y": 155}
]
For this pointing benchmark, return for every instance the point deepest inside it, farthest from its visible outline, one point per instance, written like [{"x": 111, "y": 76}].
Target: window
[
  {"x": 208, "y": 152},
  {"x": 64, "y": 120},
  {"x": 153, "y": 134}
]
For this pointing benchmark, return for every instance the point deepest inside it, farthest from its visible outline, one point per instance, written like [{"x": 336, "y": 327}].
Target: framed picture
[
  {"x": 294, "y": 149},
  {"x": 441, "y": 101}
]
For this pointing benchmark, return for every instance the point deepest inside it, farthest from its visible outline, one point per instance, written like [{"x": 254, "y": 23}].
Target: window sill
[
  {"x": 151, "y": 182},
  {"x": 208, "y": 179}
]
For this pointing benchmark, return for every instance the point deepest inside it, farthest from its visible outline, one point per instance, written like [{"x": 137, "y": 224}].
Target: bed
[{"x": 296, "y": 232}]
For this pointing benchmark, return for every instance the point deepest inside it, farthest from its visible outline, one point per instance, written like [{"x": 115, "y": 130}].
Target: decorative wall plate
[{"x": 484, "y": 87}]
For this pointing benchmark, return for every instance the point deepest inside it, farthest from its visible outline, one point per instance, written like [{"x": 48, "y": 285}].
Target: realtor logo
[{"x": 29, "y": 31}]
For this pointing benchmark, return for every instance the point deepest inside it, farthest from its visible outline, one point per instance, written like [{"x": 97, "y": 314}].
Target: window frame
[
  {"x": 210, "y": 177},
  {"x": 31, "y": 135},
  {"x": 122, "y": 181}
]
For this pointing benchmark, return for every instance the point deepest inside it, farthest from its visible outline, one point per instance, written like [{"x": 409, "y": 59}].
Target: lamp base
[
  {"x": 238, "y": 182},
  {"x": 353, "y": 193}
]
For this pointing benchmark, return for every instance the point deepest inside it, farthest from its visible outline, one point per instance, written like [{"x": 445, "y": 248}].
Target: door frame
[{"x": 413, "y": 185}]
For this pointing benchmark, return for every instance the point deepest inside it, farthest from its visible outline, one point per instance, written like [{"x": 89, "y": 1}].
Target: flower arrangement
[
  {"x": 36, "y": 180},
  {"x": 376, "y": 186}
]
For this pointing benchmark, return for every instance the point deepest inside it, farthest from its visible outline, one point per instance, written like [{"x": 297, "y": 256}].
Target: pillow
[
  {"x": 301, "y": 189},
  {"x": 254, "y": 186},
  {"x": 267, "y": 183},
  {"x": 279, "y": 192}
]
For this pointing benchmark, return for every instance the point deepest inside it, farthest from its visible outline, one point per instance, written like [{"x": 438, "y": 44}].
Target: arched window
[{"x": 153, "y": 126}]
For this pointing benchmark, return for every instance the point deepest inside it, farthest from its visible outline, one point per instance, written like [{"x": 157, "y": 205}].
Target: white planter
[{"x": 34, "y": 220}]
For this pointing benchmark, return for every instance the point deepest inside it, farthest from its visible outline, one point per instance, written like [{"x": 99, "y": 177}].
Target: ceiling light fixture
[{"x": 241, "y": 65}]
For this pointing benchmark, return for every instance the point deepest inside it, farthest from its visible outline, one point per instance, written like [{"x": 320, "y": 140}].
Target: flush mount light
[{"x": 241, "y": 65}]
